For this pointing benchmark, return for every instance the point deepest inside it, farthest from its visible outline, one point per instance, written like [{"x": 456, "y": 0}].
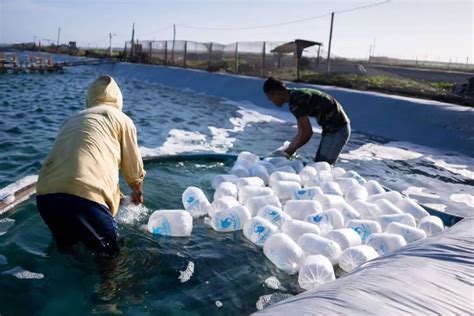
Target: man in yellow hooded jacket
[{"x": 78, "y": 192}]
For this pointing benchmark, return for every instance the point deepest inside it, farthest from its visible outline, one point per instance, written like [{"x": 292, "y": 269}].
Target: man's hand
[
  {"x": 137, "y": 197},
  {"x": 137, "y": 193},
  {"x": 279, "y": 153}
]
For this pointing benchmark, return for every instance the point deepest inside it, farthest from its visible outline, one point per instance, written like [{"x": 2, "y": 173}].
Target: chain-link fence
[
  {"x": 298, "y": 59},
  {"x": 247, "y": 58}
]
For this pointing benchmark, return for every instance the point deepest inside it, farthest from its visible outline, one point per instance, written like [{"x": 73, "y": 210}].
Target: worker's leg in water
[
  {"x": 72, "y": 219},
  {"x": 331, "y": 145}
]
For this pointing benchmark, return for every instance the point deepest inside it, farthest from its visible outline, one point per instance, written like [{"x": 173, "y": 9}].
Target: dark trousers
[{"x": 72, "y": 219}]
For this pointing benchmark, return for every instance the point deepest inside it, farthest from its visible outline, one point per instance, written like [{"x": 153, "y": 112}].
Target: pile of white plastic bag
[{"x": 307, "y": 218}]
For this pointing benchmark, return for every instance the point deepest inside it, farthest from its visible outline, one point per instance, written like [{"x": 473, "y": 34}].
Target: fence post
[
  {"x": 166, "y": 52},
  {"x": 317, "y": 60},
  {"x": 185, "y": 53},
  {"x": 151, "y": 52},
  {"x": 263, "y": 60},
  {"x": 210, "y": 56},
  {"x": 236, "y": 57},
  {"x": 330, "y": 42},
  {"x": 174, "y": 40}
]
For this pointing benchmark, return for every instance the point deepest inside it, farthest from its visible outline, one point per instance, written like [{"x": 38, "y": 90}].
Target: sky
[{"x": 438, "y": 30}]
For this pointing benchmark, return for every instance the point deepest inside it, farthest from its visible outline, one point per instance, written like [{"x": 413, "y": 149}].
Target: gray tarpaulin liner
[{"x": 433, "y": 276}]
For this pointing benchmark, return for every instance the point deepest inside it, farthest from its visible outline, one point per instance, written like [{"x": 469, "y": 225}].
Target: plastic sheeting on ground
[{"x": 433, "y": 276}]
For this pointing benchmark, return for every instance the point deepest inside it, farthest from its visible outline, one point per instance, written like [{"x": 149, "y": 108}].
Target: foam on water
[
  {"x": 463, "y": 198},
  {"x": 380, "y": 152},
  {"x": 20, "y": 273},
  {"x": 12, "y": 188},
  {"x": 5, "y": 225},
  {"x": 418, "y": 191},
  {"x": 457, "y": 164},
  {"x": 270, "y": 299},
  {"x": 132, "y": 214},
  {"x": 438, "y": 207},
  {"x": 185, "y": 275},
  {"x": 181, "y": 141},
  {"x": 272, "y": 283},
  {"x": 461, "y": 169}
]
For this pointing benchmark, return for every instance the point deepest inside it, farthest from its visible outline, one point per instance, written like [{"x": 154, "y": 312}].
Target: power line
[
  {"x": 363, "y": 7},
  {"x": 156, "y": 31},
  {"x": 284, "y": 23},
  {"x": 255, "y": 27}
]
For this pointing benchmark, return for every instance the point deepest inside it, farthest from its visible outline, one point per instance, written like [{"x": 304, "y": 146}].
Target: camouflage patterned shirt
[{"x": 311, "y": 102}]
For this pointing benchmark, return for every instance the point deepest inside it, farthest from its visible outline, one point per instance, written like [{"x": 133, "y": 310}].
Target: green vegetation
[{"x": 440, "y": 91}]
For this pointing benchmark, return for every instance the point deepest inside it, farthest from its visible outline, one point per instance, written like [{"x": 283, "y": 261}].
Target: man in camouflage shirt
[{"x": 305, "y": 103}]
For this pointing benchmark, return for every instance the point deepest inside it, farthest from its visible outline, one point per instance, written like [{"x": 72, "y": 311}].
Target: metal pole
[
  {"x": 298, "y": 57},
  {"x": 151, "y": 52},
  {"x": 330, "y": 42},
  {"x": 132, "y": 53},
  {"x": 237, "y": 57},
  {"x": 263, "y": 59},
  {"x": 166, "y": 52},
  {"x": 185, "y": 53},
  {"x": 57, "y": 43},
  {"x": 174, "y": 39},
  {"x": 110, "y": 43},
  {"x": 210, "y": 56},
  {"x": 317, "y": 60}
]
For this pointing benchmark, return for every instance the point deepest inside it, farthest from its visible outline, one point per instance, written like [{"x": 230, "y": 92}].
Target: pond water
[{"x": 144, "y": 279}]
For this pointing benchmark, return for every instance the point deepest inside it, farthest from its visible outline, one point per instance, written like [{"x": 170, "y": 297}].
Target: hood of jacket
[{"x": 104, "y": 90}]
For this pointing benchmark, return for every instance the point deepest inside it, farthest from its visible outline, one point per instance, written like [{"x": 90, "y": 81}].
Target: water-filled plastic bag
[
  {"x": 327, "y": 220},
  {"x": 392, "y": 196},
  {"x": 345, "y": 237},
  {"x": 373, "y": 187},
  {"x": 258, "y": 229},
  {"x": 313, "y": 244},
  {"x": 385, "y": 243},
  {"x": 274, "y": 214},
  {"x": 218, "y": 179},
  {"x": 353, "y": 257},
  {"x": 308, "y": 193},
  {"x": 231, "y": 219},
  {"x": 367, "y": 210},
  {"x": 255, "y": 203},
  {"x": 315, "y": 271},
  {"x": 285, "y": 189},
  {"x": 403, "y": 218},
  {"x": 300, "y": 209},
  {"x": 283, "y": 252},
  {"x": 195, "y": 201},
  {"x": 411, "y": 234},
  {"x": 432, "y": 225},
  {"x": 356, "y": 192},
  {"x": 296, "y": 228},
  {"x": 284, "y": 176},
  {"x": 387, "y": 207},
  {"x": 221, "y": 204},
  {"x": 226, "y": 189},
  {"x": 249, "y": 191},
  {"x": 408, "y": 205},
  {"x": 177, "y": 223},
  {"x": 364, "y": 227}
]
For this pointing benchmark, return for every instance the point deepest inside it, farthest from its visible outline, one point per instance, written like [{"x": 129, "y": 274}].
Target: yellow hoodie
[{"x": 91, "y": 147}]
